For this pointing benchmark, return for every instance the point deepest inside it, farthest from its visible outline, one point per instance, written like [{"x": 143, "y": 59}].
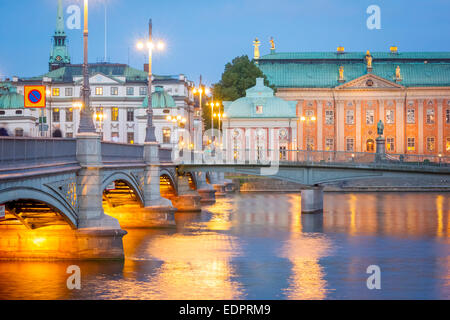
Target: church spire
[{"x": 59, "y": 56}]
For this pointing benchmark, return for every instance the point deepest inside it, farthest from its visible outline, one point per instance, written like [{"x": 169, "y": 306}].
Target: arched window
[{"x": 370, "y": 145}]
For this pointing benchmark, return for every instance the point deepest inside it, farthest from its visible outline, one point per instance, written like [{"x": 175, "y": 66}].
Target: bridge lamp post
[
  {"x": 86, "y": 122},
  {"x": 150, "y": 130},
  {"x": 220, "y": 116}
]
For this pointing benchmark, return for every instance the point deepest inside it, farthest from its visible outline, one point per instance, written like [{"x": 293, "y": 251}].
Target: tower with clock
[{"x": 59, "y": 56}]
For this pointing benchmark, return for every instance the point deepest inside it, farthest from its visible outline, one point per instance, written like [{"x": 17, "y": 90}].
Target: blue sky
[{"x": 202, "y": 36}]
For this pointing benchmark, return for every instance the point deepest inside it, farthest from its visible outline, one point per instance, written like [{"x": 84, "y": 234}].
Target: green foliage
[{"x": 239, "y": 75}]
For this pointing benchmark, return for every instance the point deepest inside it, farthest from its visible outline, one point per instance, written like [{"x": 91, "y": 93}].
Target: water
[{"x": 259, "y": 246}]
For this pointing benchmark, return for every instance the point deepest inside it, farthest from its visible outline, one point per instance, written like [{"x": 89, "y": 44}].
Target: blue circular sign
[{"x": 34, "y": 96}]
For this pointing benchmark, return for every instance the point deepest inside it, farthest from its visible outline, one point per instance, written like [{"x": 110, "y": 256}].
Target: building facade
[
  {"x": 340, "y": 97},
  {"x": 118, "y": 100}
]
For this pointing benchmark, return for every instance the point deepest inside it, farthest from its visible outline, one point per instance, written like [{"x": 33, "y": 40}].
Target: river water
[{"x": 260, "y": 246}]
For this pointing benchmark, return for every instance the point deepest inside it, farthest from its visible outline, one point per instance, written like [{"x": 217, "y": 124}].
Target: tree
[{"x": 239, "y": 75}]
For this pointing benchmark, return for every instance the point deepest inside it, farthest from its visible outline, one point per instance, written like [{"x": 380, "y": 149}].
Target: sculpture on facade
[
  {"x": 256, "y": 44},
  {"x": 380, "y": 128}
]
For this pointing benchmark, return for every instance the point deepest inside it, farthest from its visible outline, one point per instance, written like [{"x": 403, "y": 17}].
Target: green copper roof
[
  {"x": 9, "y": 98},
  {"x": 321, "y": 69},
  {"x": 160, "y": 99},
  {"x": 68, "y": 72},
  {"x": 260, "y": 95}
]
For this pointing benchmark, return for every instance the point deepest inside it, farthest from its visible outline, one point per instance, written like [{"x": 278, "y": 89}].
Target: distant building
[
  {"x": 340, "y": 96},
  {"x": 118, "y": 99}
]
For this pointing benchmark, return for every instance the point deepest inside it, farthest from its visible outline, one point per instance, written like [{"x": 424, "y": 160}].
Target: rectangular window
[
  {"x": 283, "y": 153},
  {"x": 69, "y": 115},
  {"x": 390, "y": 117},
  {"x": 56, "y": 92},
  {"x": 69, "y": 135},
  {"x": 18, "y": 132},
  {"x": 114, "y": 91},
  {"x": 370, "y": 116},
  {"x": 447, "y": 116},
  {"x": 98, "y": 91},
  {"x": 350, "y": 145},
  {"x": 310, "y": 144},
  {"x": 130, "y": 115},
  {"x": 115, "y": 137},
  {"x": 130, "y": 91},
  {"x": 166, "y": 135},
  {"x": 411, "y": 116},
  {"x": 350, "y": 117},
  {"x": 259, "y": 109},
  {"x": 329, "y": 144},
  {"x": 143, "y": 91},
  {"x": 130, "y": 137},
  {"x": 329, "y": 117},
  {"x": 411, "y": 144},
  {"x": 430, "y": 116},
  {"x": 430, "y": 144},
  {"x": 69, "y": 92},
  {"x": 447, "y": 145},
  {"x": 55, "y": 115},
  {"x": 114, "y": 114},
  {"x": 390, "y": 144}
]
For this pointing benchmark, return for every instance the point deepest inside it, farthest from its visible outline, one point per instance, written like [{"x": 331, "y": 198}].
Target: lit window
[
  {"x": 411, "y": 144},
  {"x": 350, "y": 144},
  {"x": 430, "y": 116},
  {"x": 130, "y": 137},
  {"x": 99, "y": 91},
  {"x": 283, "y": 153},
  {"x": 329, "y": 144},
  {"x": 114, "y": 91},
  {"x": 447, "y": 145},
  {"x": 56, "y": 115},
  {"x": 166, "y": 135},
  {"x": 114, "y": 114},
  {"x": 411, "y": 116},
  {"x": 259, "y": 109},
  {"x": 430, "y": 143},
  {"x": 329, "y": 117},
  {"x": 370, "y": 116},
  {"x": 390, "y": 144},
  {"x": 390, "y": 117},
  {"x": 56, "y": 92},
  {"x": 350, "y": 118}
]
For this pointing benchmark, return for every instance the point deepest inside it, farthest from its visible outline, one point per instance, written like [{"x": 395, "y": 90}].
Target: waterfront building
[
  {"x": 118, "y": 99},
  {"x": 341, "y": 96}
]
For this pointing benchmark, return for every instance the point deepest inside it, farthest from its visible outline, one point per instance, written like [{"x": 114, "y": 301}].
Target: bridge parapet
[{"x": 118, "y": 152}]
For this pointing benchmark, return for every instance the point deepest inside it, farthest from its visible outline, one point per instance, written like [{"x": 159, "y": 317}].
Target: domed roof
[
  {"x": 260, "y": 102},
  {"x": 10, "y": 99},
  {"x": 160, "y": 99}
]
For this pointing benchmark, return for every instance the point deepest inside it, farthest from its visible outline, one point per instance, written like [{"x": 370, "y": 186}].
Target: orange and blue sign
[{"x": 34, "y": 96}]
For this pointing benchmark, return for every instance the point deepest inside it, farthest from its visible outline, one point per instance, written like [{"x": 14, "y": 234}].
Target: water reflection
[{"x": 260, "y": 246}]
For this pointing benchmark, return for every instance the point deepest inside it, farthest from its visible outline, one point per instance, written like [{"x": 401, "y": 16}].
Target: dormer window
[{"x": 259, "y": 109}]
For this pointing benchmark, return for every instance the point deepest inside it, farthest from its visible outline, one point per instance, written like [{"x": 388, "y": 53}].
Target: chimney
[{"x": 146, "y": 67}]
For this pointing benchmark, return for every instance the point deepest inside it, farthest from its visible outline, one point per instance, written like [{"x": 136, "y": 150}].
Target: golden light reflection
[{"x": 440, "y": 214}]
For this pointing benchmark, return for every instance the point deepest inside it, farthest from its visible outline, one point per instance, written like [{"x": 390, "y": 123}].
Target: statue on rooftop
[
  {"x": 369, "y": 60},
  {"x": 256, "y": 44},
  {"x": 272, "y": 44}
]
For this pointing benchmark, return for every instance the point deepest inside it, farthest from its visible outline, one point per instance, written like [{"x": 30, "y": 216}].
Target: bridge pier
[
  {"x": 217, "y": 183},
  {"x": 187, "y": 199},
  {"x": 312, "y": 200},
  {"x": 205, "y": 190}
]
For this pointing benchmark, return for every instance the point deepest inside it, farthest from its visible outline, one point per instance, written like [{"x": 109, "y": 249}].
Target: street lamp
[
  {"x": 150, "y": 130},
  {"x": 220, "y": 116},
  {"x": 86, "y": 122},
  {"x": 212, "y": 104},
  {"x": 308, "y": 120}
]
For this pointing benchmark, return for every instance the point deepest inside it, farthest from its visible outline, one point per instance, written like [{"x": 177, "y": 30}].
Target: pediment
[
  {"x": 370, "y": 81},
  {"x": 100, "y": 78}
]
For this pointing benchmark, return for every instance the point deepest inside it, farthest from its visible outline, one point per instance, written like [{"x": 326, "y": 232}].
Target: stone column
[
  {"x": 152, "y": 195},
  {"x": 312, "y": 200},
  {"x": 187, "y": 200},
  {"x": 340, "y": 116},
  {"x": 217, "y": 184},
  {"x": 420, "y": 125},
  {"x": 320, "y": 107},
  {"x": 89, "y": 184},
  {"x": 399, "y": 126},
  {"x": 205, "y": 190},
  {"x": 440, "y": 126},
  {"x": 358, "y": 122}
]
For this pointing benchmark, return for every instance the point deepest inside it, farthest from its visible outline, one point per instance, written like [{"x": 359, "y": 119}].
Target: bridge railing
[
  {"x": 265, "y": 156},
  {"x": 17, "y": 151},
  {"x": 120, "y": 152}
]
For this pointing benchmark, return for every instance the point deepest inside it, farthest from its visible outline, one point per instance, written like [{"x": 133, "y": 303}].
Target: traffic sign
[
  {"x": 34, "y": 96},
  {"x": 2, "y": 211},
  {"x": 43, "y": 127}
]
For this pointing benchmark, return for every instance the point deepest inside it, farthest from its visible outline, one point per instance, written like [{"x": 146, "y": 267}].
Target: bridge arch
[
  {"x": 128, "y": 179},
  {"x": 53, "y": 201},
  {"x": 192, "y": 180},
  {"x": 168, "y": 187}
]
